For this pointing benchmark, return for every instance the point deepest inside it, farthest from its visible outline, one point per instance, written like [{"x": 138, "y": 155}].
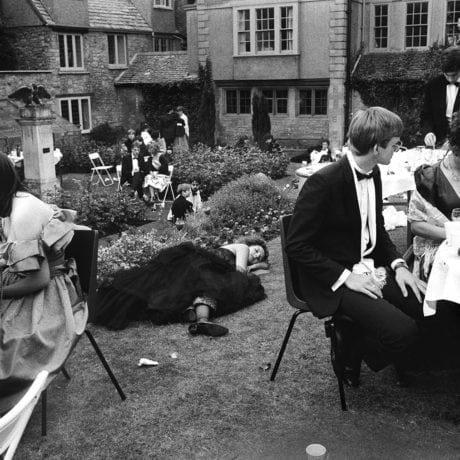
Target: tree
[
  {"x": 207, "y": 109},
  {"x": 260, "y": 119}
]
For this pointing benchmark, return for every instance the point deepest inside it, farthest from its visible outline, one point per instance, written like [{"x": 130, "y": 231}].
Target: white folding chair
[
  {"x": 99, "y": 168},
  {"x": 14, "y": 422},
  {"x": 168, "y": 186},
  {"x": 118, "y": 169}
]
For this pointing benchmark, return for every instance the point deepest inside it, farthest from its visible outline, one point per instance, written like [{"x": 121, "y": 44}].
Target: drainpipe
[{"x": 347, "y": 72}]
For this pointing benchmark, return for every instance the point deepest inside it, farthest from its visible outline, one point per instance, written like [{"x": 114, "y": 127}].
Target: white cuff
[
  {"x": 396, "y": 261},
  {"x": 343, "y": 277}
]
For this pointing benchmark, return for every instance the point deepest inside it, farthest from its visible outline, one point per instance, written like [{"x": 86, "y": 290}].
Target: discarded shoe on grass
[{"x": 207, "y": 328}]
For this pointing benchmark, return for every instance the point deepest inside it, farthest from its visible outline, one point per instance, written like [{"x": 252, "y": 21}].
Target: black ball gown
[{"x": 161, "y": 290}]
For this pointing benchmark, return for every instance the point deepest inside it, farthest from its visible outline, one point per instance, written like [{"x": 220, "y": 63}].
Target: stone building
[
  {"x": 77, "y": 49},
  {"x": 293, "y": 51}
]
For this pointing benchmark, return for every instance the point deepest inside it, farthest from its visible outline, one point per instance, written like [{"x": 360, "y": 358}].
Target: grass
[{"x": 215, "y": 401}]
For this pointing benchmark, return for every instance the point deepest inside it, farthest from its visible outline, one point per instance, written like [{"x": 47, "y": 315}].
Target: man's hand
[
  {"x": 405, "y": 278},
  {"x": 430, "y": 139},
  {"x": 363, "y": 283}
]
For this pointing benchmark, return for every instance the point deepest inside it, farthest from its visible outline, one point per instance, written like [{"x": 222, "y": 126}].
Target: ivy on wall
[
  {"x": 396, "y": 81},
  {"x": 197, "y": 98},
  {"x": 8, "y": 59}
]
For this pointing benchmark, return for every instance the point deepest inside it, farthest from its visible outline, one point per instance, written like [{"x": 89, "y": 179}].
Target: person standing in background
[{"x": 441, "y": 99}]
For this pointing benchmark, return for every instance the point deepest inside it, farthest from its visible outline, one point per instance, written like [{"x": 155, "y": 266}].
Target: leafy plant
[
  {"x": 101, "y": 209},
  {"x": 248, "y": 205},
  {"x": 207, "y": 109},
  {"x": 106, "y": 134},
  {"x": 260, "y": 119},
  {"x": 213, "y": 168}
]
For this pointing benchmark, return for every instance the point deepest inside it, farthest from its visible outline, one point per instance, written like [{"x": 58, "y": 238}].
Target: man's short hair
[
  {"x": 373, "y": 126},
  {"x": 131, "y": 131},
  {"x": 450, "y": 59}
]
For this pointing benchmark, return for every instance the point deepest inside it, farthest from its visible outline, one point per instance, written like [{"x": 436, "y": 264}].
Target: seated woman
[
  {"x": 152, "y": 165},
  {"x": 185, "y": 283},
  {"x": 42, "y": 312},
  {"x": 437, "y": 193}
]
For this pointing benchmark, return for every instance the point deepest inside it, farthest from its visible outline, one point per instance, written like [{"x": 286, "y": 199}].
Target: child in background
[
  {"x": 195, "y": 197},
  {"x": 181, "y": 205}
]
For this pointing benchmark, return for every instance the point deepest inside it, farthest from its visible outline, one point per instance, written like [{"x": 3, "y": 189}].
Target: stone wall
[
  {"x": 32, "y": 46},
  {"x": 96, "y": 80}
]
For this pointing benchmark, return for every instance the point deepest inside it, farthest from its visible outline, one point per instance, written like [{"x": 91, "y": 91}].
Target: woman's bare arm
[
  {"x": 31, "y": 282},
  {"x": 427, "y": 230},
  {"x": 241, "y": 252}
]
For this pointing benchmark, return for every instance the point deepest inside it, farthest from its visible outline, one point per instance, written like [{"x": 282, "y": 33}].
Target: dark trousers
[
  {"x": 385, "y": 330},
  {"x": 136, "y": 183}
]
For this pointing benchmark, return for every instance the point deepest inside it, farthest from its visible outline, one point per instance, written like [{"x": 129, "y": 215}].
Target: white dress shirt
[{"x": 451, "y": 95}]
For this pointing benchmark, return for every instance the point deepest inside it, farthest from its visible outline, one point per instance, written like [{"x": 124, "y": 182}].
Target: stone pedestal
[{"x": 38, "y": 147}]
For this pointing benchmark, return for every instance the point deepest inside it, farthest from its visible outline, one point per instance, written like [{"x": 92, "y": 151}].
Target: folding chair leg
[
  {"x": 105, "y": 364},
  {"x": 285, "y": 341},
  {"x": 43, "y": 397},
  {"x": 65, "y": 373}
]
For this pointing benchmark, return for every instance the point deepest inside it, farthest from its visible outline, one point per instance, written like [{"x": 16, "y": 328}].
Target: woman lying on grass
[{"x": 185, "y": 283}]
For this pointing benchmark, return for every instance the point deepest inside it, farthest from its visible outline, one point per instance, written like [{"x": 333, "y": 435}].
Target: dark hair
[
  {"x": 155, "y": 134},
  {"x": 371, "y": 127},
  {"x": 325, "y": 140},
  {"x": 9, "y": 185},
  {"x": 450, "y": 59},
  {"x": 254, "y": 241},
  {"x": 179, "y": 107}
]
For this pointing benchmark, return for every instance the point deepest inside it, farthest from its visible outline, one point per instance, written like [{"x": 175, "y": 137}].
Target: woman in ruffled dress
[
  {"x": 185, "y": 283},
  {"x": 42, "y": 312},
  {"x": 437, "y": 193}
]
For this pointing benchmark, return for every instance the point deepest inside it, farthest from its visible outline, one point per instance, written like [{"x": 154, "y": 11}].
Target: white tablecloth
[
  {"x": 392, "y": 184},
  {"x": 444, "y": 280}
]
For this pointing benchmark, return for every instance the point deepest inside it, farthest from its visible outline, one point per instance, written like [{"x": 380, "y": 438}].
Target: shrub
[
  {"x": 132, "y": 249},
  {"x": 106, "y": 134},
  {"x": 100, "y": 208},
  {"x": 250, "y": 204},
  {"x": 75, "y": 156},
  {"x": 214, "y": 168}
]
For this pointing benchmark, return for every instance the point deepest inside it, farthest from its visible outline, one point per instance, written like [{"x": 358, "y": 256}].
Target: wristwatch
[{"x": 401, "y": 264}]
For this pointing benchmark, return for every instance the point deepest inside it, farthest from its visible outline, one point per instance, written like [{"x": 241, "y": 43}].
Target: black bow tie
[
  {"x": 457, "y": 84},
  {"x": 361, "y": 176}
]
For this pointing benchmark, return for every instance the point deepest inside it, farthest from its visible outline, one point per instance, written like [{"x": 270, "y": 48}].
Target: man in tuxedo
[
  {"x": 131, "y": 169},
  {"x": 336, "y": 237},
  {"x": 441, "y": 99}
]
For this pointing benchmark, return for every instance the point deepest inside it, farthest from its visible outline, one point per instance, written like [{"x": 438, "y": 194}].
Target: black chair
[
  {"x": 295, "y": 300},
  {"x": 83, "y": 248}
]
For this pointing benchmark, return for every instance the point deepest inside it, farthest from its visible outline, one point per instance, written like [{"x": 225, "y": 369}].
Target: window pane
[
  {"x": 79, "y": 59},
  {"x": 85, "y": 114},
  {"x": 70, "y": 61},
  {"x": 287, "y": 29},
  {"x": 381, "y": 26},
  {"x": 65, "y": 110},
  {"x": 417, "y": 24},
  {"x": 232, "y": 101},
  {"x": 265, "y": 29},
  {"x": 121, "y": 49},
  {"x": 268, "y": 96},
  {"x": 74, "y": 112},
  {"x": 321, "y": 102},
  {"x": 452, "y": 23},
  {"x": 62, "y": 62},
  {"x": 244, "y": 36},
  {"x": 305, "y": 106},
  {"x": 111, "y": 43},
  {"x": 245, "y": 101},
  {"x": 281, "y": 101}
]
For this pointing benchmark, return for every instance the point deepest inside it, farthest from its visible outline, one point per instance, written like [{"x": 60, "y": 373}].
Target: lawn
[{"x": 215, "y": 400}]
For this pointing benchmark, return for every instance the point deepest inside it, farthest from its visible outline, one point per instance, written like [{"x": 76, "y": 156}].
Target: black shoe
[
  {"x": 205, "y": 328},
  {"x": 346, "y": 362}
]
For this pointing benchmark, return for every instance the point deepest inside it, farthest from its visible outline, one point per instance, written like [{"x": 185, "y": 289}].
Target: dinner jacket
[
  {"x": 324, "y": 236},
  {"x": 433, "y": 115},
  {"x": 127, "y": 168}
]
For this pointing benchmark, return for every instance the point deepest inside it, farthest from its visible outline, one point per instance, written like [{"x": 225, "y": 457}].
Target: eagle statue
[{"x": 30, "y": 95}]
